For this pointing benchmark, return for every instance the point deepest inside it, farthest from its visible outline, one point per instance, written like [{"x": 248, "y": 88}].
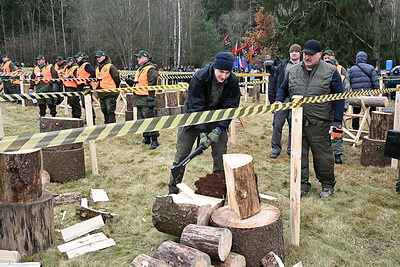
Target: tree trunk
[
  {"x": 372, "y": 153},
  {"x": 216, "y": 242},
  {"x": 370, "y": 101},
  {"x": 181, "y": 256},
  {"x": 27, "y": 227},
  {"x": 381, "y": 122},
  {"x": 253, "y": 237},
  {"x": 20, "y": 176}
]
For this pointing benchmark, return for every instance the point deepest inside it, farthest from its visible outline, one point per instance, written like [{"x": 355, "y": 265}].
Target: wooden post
[
  {"x": 233, "y": 131},
  {"x": 1, "y": 125},
  {"x": 21, "y": 86},
  {"x": 91, "y": 143},
  {"x": 295, "y": 172},
  {"x": 396, "y": 126},
  {"x": 266, "y": 90},
  {"x": 245, "y": 90}
]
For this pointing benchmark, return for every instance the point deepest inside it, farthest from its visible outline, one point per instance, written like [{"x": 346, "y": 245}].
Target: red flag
[
  {"x": 243, "y": 49},
  {"x": 235, "y": 50},
  {"x": 226, "y": 40}
]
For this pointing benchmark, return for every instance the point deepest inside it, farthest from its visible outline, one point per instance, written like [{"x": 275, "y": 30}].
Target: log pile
[
  {"x": 170, "y": 102},
  {"x": 373, "y": 146},
  {"x": 27, "y": 216}
]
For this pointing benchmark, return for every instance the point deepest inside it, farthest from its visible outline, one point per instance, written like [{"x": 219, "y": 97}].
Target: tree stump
[
  {"x": 181, "y": 256},
  {"x": 27, "y": 227},
  {"x": 172, "y": 213},
  {"x": 214, "y": 241},
  {"x": 143, "y": 260},
  {"x": 175, "y": 110},
  {"x": 233, "y": 260},
  {"x": 172, "y": 98},
  {"x": 50, "y": 124},
  {"x": 129, "y": 107},
  {"x": 255, "y": 236},
  {"x": 372, "y": 153},
  {"x": 212, "y": 185},
  {"x": 159, "y": 100},
  {"x": 159, "y": 112},
  {"x": 241, "y": 183},
  {"x": 20, "y": 176},
  {"x": 381, "y": 122},
  {"x": 183, "y": 93}
]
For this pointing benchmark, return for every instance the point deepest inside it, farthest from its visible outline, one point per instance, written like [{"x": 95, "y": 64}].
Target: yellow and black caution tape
[
  {"x": 253, "y": 82},
  {"x": 144, "y": 88},
  {"x": 14, "y": 97},
  {"x": 52, "y": 79},
  {"x": 99, "y": 132}
]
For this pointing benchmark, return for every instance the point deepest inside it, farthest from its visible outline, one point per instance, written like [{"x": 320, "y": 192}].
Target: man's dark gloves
[
  {"x": 207, "y": 140},
  {"x": 129, "y": 82}
]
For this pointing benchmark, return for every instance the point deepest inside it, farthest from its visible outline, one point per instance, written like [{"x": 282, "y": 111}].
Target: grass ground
[{"x": 358, "y": 226}]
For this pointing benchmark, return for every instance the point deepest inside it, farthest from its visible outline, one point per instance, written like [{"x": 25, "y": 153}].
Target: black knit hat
[
  {"x": 312, "y": 47},
  {"x": 223, "y": 61}
]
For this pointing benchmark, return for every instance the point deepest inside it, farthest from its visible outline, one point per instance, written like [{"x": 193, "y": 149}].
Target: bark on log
[
  {"x": 175, "y": 110},
  {"x": 64, "y": 165},
  {"x": 20, "y": 176},
  {"x": 159, "y": 100},
  {"x": 87, "y": 213},
  {"x": 269, "y": 261},
  {"x": 214, "y": 241},
  {"x": 172, "y": 213},
  {"x": 241, "y": 183},
  {"x": 370, "y": 101},
  {"x": 372, "y": 153},
  {"x": 27, "y": 227},
  {"x": 181, "y": 256},
  {"x": 233, "y": 260},
  {"x": 67, "y": 198},
  {"x": 49, "y": 124},
  {"x": 381, "y": 122},
  {"x": 129, "y": 101},
  {"x": 212, "y": 185},
  {"x": 128, "y": 115},
  {"x": 172, "y": 98},
  {"x": 143, "y": 260},
  {"x": 183, "y": 93},
  {"x": 253, "y": 237},
  {"x": 161, "y": 112}
]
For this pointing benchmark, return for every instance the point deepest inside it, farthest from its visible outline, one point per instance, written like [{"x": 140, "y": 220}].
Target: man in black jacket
[
  {"x": 213, "y": 87},
  {"x": 280, "y": 116}
]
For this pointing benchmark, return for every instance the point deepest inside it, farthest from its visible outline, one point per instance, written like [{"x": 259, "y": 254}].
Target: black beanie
[{"x": 223, "y": 61}]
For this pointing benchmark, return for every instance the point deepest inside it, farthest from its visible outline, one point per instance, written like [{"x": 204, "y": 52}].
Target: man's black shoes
[{"x": 326, "y": 192}]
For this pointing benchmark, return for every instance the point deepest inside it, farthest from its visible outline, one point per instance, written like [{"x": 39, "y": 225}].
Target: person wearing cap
[
  {"x": 314, "y": 77},
  {"x": 212, "y": 87},
  {"x": 146, "y": 75},
  {"x": 72, "y": 86},
  {"x": 85, "y": 70},
  {"x": 336, "y": 134},
  {"x": 7, "y": 66},
  {"x": 108, "y": 76},
  {"x": 41, "y": 83},
  {"x": 363, "y": 76},
  {"x": 60, "y": 66},
  {"x": 281, "y": 116}
]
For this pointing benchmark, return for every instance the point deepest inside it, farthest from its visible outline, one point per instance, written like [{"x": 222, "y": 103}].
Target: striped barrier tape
[
  {"x": 100, "y": 132},
  {"x": 52, "y": 79},
  {"x": 145, "y": 88},
  {"x": 254, "y": 82}
]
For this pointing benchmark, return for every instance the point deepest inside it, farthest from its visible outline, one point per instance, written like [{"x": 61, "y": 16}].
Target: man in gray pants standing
[{"x": 280, "y": 116}]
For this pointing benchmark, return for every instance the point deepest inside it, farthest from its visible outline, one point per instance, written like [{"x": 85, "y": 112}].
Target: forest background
[{"x": 190, "y": 32}]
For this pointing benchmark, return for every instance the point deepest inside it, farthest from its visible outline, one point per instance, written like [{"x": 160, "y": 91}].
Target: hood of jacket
[{"x": 361, "y": 57}]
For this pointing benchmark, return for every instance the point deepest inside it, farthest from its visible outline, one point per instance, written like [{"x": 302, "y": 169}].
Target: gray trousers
[
  {"x": 184, "y": 144},
  {"x": 316, "y": 136},
  {"x": 277, "y": 123},
  {"x": 337, "y": 145}
]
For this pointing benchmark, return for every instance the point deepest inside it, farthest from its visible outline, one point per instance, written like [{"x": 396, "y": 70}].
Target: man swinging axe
[{"x": 212, "y": 87}]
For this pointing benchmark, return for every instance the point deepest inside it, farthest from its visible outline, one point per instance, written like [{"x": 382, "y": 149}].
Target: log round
[
  {"x": 381, "y": 122},
  {"x": 181, "y": 256},
  {"x": 214, "y": 241},
  {"x": 212, "y": 185},
  {"x": 370, "y": 101},
  {"x": 172, "y": 98},
  {"x": 372, "y": 153},
  {"x": 64, "y": 165},
  {"x": 20, "y": 176},
  {"x": 159, "y": 100},
  {"x": 145, "y": 260},
  {"x": 175, "y": 110},
  {"x": 183, "y": 93},
  {"x": 161, "y": 112},
  {"x": 233, "y": 260},
  {"x": 49, "y": 124},
  {"x": 27, "y": 227},
  {"x": 255, "y": 236}
]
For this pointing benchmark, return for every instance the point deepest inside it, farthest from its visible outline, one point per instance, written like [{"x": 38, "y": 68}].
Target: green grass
[{"x": 358, "y": 226}]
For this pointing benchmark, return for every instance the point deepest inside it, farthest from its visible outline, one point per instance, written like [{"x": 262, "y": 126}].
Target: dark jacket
[
  {"x": 200, "y": 91},
  {"x": 362, "y": 75},
  {"x": 276, "y": 80}
]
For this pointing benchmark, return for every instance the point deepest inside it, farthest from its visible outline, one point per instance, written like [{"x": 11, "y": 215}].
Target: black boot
[
  {"x": 154, "y": 143},
  {"x": 338, "y": 160},
  {"x": 146, "y": 140},
  {"x": 42, "y": 110}
]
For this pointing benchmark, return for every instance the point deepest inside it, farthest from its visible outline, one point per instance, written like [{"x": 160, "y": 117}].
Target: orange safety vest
[
  {"x": 142, "y": 79},
  {"x": 81, "y": 73},
  {"x": 60, "y": 70},
  {"x": 5, "y": 66},
  {"x": 69, "y": 72},
  {"x": 106, "y": 81},
  {"x": 15, "y": 76},
  {"x": 44, "y": 73}
]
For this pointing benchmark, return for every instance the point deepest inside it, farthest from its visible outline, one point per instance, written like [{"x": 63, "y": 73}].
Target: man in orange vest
[
  {"x": 72, "y": 86},
  {"x": 146, "y": 75},
  {"x": 85, "y": 70},
  {"x": 109, "y": 80},
  {"x": 41, "y": 82},
  {"x": 7, "y": 66}
]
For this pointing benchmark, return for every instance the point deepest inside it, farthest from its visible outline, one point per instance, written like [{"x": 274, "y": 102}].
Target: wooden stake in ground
[
  {"x": 214, "y": 241},
  {"x": 91, "y": 143},
  {"x": 396, "y": 125},
  {"x": 181, "y": 256},
  {"x": 241, "y": 183}
]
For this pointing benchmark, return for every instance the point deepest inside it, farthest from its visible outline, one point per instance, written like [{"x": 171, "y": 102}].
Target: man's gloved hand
[
  {"x": 129, "y": 82},
  {"x": 203, "y": 140},
  {"x": 151, "y": 104},
  {"x": 214, "y": 135},
  {"x": 336, "y": 129}
]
